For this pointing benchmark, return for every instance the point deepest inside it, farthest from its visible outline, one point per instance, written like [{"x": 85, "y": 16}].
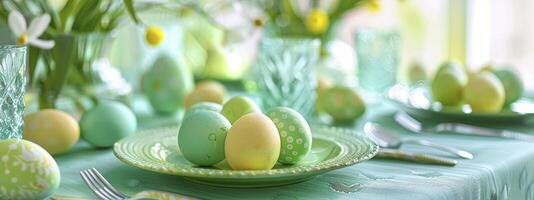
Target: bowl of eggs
[{"x": 238, "y": 145}]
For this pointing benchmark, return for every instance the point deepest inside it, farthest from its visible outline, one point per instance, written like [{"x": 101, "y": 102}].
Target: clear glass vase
[
  {"x": 12, "y": 86},
  {"x": 283, "y": 73},
  {"x": 378, "y": 56},
  {"x": 76, "y": 69}
]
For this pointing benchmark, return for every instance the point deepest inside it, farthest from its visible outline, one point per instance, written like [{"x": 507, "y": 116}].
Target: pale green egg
[
  {"x": 295, "y": 134},
  {"x": 27, "y": 171},
  {"x": 106, "y": 123},
  {"x": 203, "y": 106},
  {"x": 201, "y": 137},
  {"x": 166, "y": 84},
  {"x": 238, "y": 106},
  {"x": 343, "y": 104}
]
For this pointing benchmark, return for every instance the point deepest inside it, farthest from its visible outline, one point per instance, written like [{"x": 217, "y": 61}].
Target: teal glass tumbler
[
  {"x": 12, "y": 86},
  {"x": 378, "y": 57},
  {"x": 283, "y": 74}
]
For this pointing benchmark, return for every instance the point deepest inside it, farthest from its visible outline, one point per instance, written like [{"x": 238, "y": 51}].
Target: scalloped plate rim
[{"x": 245, "y": 174}]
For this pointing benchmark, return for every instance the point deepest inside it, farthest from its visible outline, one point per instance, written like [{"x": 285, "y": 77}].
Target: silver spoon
[{"x": 387, "y": 139}]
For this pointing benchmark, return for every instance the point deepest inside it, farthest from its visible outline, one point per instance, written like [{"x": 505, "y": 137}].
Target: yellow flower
[
  {"x": 317, "y": 21},
  {"x": 374, "y": 6},
  {"x": 22, "y": 40},
  {"x": 154, "y": 35}
]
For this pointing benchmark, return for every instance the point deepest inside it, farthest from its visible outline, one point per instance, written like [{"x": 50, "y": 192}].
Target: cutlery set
[{"x": 391, "y": 142}]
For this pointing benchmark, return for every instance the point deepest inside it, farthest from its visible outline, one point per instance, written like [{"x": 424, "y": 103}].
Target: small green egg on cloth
[
  {"x": 166, "y": 84},
  {"x": 295, "y": 134},
  {"x": 106, "y": 123},
  {"x": 343, "y": 104},
  {"x": 27, "y": 171},
  {"x": 202, "y": 136}
]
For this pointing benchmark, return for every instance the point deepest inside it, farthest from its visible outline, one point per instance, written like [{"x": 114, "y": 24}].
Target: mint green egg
[
  {"x": 203, "y": 106},
  {"x": 106, "y": 123},
  {"x": 166, "y": 84},
  {"x": 27, "y": 171},
  {"x": 295, "y": 134},
  {"x": 202, "y": 136},
  {"x": 238, "y": 106}
]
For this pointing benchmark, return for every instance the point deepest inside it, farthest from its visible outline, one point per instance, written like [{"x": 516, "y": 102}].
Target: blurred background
[{"x": 474, "y": 32}]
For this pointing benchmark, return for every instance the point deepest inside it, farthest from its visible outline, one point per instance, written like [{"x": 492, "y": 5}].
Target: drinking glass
[
  {"x": 377, "y": 52},
  {"x": 12, "y": 85},
  {"x": 283, "y": 73}
]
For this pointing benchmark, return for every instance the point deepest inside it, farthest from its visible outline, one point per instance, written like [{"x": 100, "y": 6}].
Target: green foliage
[{"x": 76, "y": 16}]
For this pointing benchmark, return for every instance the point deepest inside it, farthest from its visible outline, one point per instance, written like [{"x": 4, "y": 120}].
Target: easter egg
[
  {"x": 416, "y": 73},
  {"x": 485, "y": 93},
  {"x": 295, "y": 134},
  {"x": 166, "y": 84},
  {"x": 203, "y": 106},
  {"x": 512, "y": 83},
  {"x": 201, "y": 137},
  {"x": 54, "y": 130},
  {"x": 252, "y": 143},
  {"x": 238, "y": 106},
  {"x": 106, "y": 123},
  {"x": 448, "y": 84},
  {"x": 343, "y": 104},
  {"x": 27, "y": 171},
  {"x": 206, "y": 91}
]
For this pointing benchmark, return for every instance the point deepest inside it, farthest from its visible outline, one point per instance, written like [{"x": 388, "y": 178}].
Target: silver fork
[
  {"x": 100, "y": 186},
  {"x": 414, "y": 125}
]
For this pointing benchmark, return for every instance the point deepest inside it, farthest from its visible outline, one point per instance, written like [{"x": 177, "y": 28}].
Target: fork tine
[
  {"x": 93, "y": 186},
  {"x": 104, "y": 188},
  {"x": 107, "y": 184}
]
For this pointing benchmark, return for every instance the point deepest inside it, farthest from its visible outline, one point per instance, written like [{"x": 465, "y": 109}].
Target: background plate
[
  {"x": 157, "y": 150},
  {"x": 417, "y": 101}
]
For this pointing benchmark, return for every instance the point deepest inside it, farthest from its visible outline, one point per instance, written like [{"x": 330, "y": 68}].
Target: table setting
[{"x": 225, "y": 99}]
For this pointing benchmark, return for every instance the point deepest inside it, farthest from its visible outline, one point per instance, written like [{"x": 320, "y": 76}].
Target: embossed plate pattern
[{"x": 157, "y": 150}]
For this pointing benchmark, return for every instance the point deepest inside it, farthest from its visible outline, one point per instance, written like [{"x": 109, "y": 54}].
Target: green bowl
[
  {"x": 157, "y": 150},
  {"x": 417, "y": 101}
]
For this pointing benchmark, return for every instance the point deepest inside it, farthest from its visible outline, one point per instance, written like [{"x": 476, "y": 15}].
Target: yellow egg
[
  {"x": 206, "y": 91},
  {"x": 252, "y": 143},
  {"x": 54, "y": 130}
]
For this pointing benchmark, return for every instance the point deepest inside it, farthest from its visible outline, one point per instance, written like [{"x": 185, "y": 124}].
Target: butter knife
[
  {"x": 414, "y": 125},
  {"x": 414, "y": 157}
]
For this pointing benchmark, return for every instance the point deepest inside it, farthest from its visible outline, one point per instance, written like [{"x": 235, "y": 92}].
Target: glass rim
[
  {"x": 289, "y": 40},
  {"x": 12, "y": 47}
]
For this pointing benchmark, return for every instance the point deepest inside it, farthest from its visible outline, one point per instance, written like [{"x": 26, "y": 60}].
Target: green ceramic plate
[
  {"x": 157, "y": 150},
  {"x": 417, "y": 100}
]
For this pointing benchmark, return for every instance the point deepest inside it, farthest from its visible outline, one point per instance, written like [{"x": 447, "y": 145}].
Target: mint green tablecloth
[{"x": 501, "y": 169}]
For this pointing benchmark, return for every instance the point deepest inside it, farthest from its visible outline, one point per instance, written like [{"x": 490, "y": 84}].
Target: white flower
[{"x": 29, "y": 35}]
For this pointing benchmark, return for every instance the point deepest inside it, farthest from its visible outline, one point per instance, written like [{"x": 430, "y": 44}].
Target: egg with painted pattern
[
  {"x": 27, "y": 171},
  {"x": 295, "y": 134},
  {"x": 201, "y": 137},
  {"x": 166, "y": 84}
]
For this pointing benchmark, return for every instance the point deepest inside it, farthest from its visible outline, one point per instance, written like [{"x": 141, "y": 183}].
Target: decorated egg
[
  {"x": 166, "y": 84},
  {"x": 238, "y": 106},
  {"x": 27, "y": 171},
  {"x": 106, "y": 123},
  {"x": 206, "y": 91},
  {"x": 253, "y": 143},
  {"x": 295, "y": 134},
  {"x": 343, "y": 104},
  {"x": 203, "y": 106},
  {"x": 201, "y": 137},
  {"x": 54, "y": 130}
]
